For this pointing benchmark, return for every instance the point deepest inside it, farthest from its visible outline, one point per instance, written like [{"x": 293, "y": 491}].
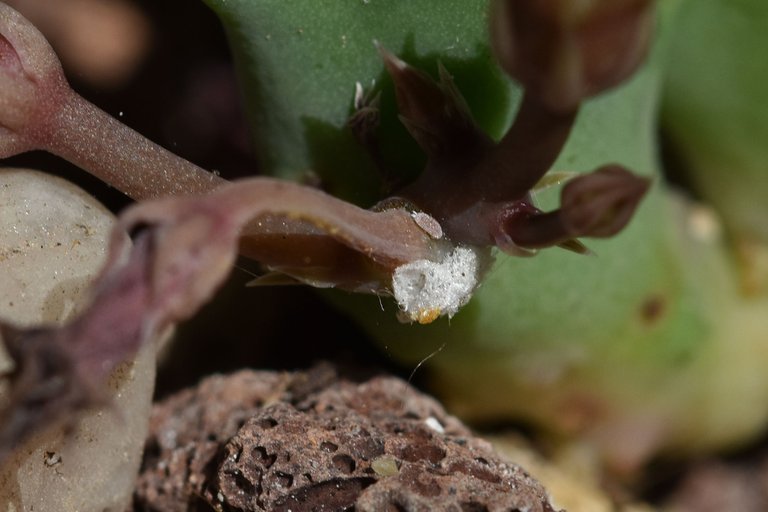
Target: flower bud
[
  {"x": 601, "y": 204},
  {"x": 30, "y": 74},
  {"x": 563, "y": 51},
  {"x": 597, "y": 205}
]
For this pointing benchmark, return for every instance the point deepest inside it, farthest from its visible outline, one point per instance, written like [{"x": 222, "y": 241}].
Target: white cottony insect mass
[{"x": 426, "y": 289}]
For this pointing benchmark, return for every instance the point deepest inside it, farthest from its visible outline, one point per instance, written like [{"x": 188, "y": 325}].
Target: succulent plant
[
  {"x": 428, "y": 246},
  {"x": 629, "y": 349},
  {"x": 640, "y": 349}
]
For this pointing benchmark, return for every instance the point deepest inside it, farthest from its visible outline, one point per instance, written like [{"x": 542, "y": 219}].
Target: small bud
[
  {"x": 600, "y": 204},
  {"x": 563, "y": 51},
  {"x": 30, "y": 74}
]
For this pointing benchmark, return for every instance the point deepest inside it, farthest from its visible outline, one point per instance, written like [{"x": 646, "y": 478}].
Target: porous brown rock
[{"x": 307, "y": 441}]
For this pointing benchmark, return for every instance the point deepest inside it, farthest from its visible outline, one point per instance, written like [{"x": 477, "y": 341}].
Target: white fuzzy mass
[{"x": 427, "y": 289}]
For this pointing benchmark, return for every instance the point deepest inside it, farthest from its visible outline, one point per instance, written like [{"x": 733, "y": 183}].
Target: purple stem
[
  {"x": 83, "y": 134},
  {"x": 525, "y": 153},
  {"x": 505, "y": 173},
  {"x": 539, "y": 231}
]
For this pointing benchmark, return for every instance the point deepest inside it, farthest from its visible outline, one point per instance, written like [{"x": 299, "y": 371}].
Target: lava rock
[{"x": 311, "y": 441}]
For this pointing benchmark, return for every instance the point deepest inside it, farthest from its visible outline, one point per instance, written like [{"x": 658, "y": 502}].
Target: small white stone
[
  {"x": 435, "y": 425},
  {"x": 53, "y": 243}
]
